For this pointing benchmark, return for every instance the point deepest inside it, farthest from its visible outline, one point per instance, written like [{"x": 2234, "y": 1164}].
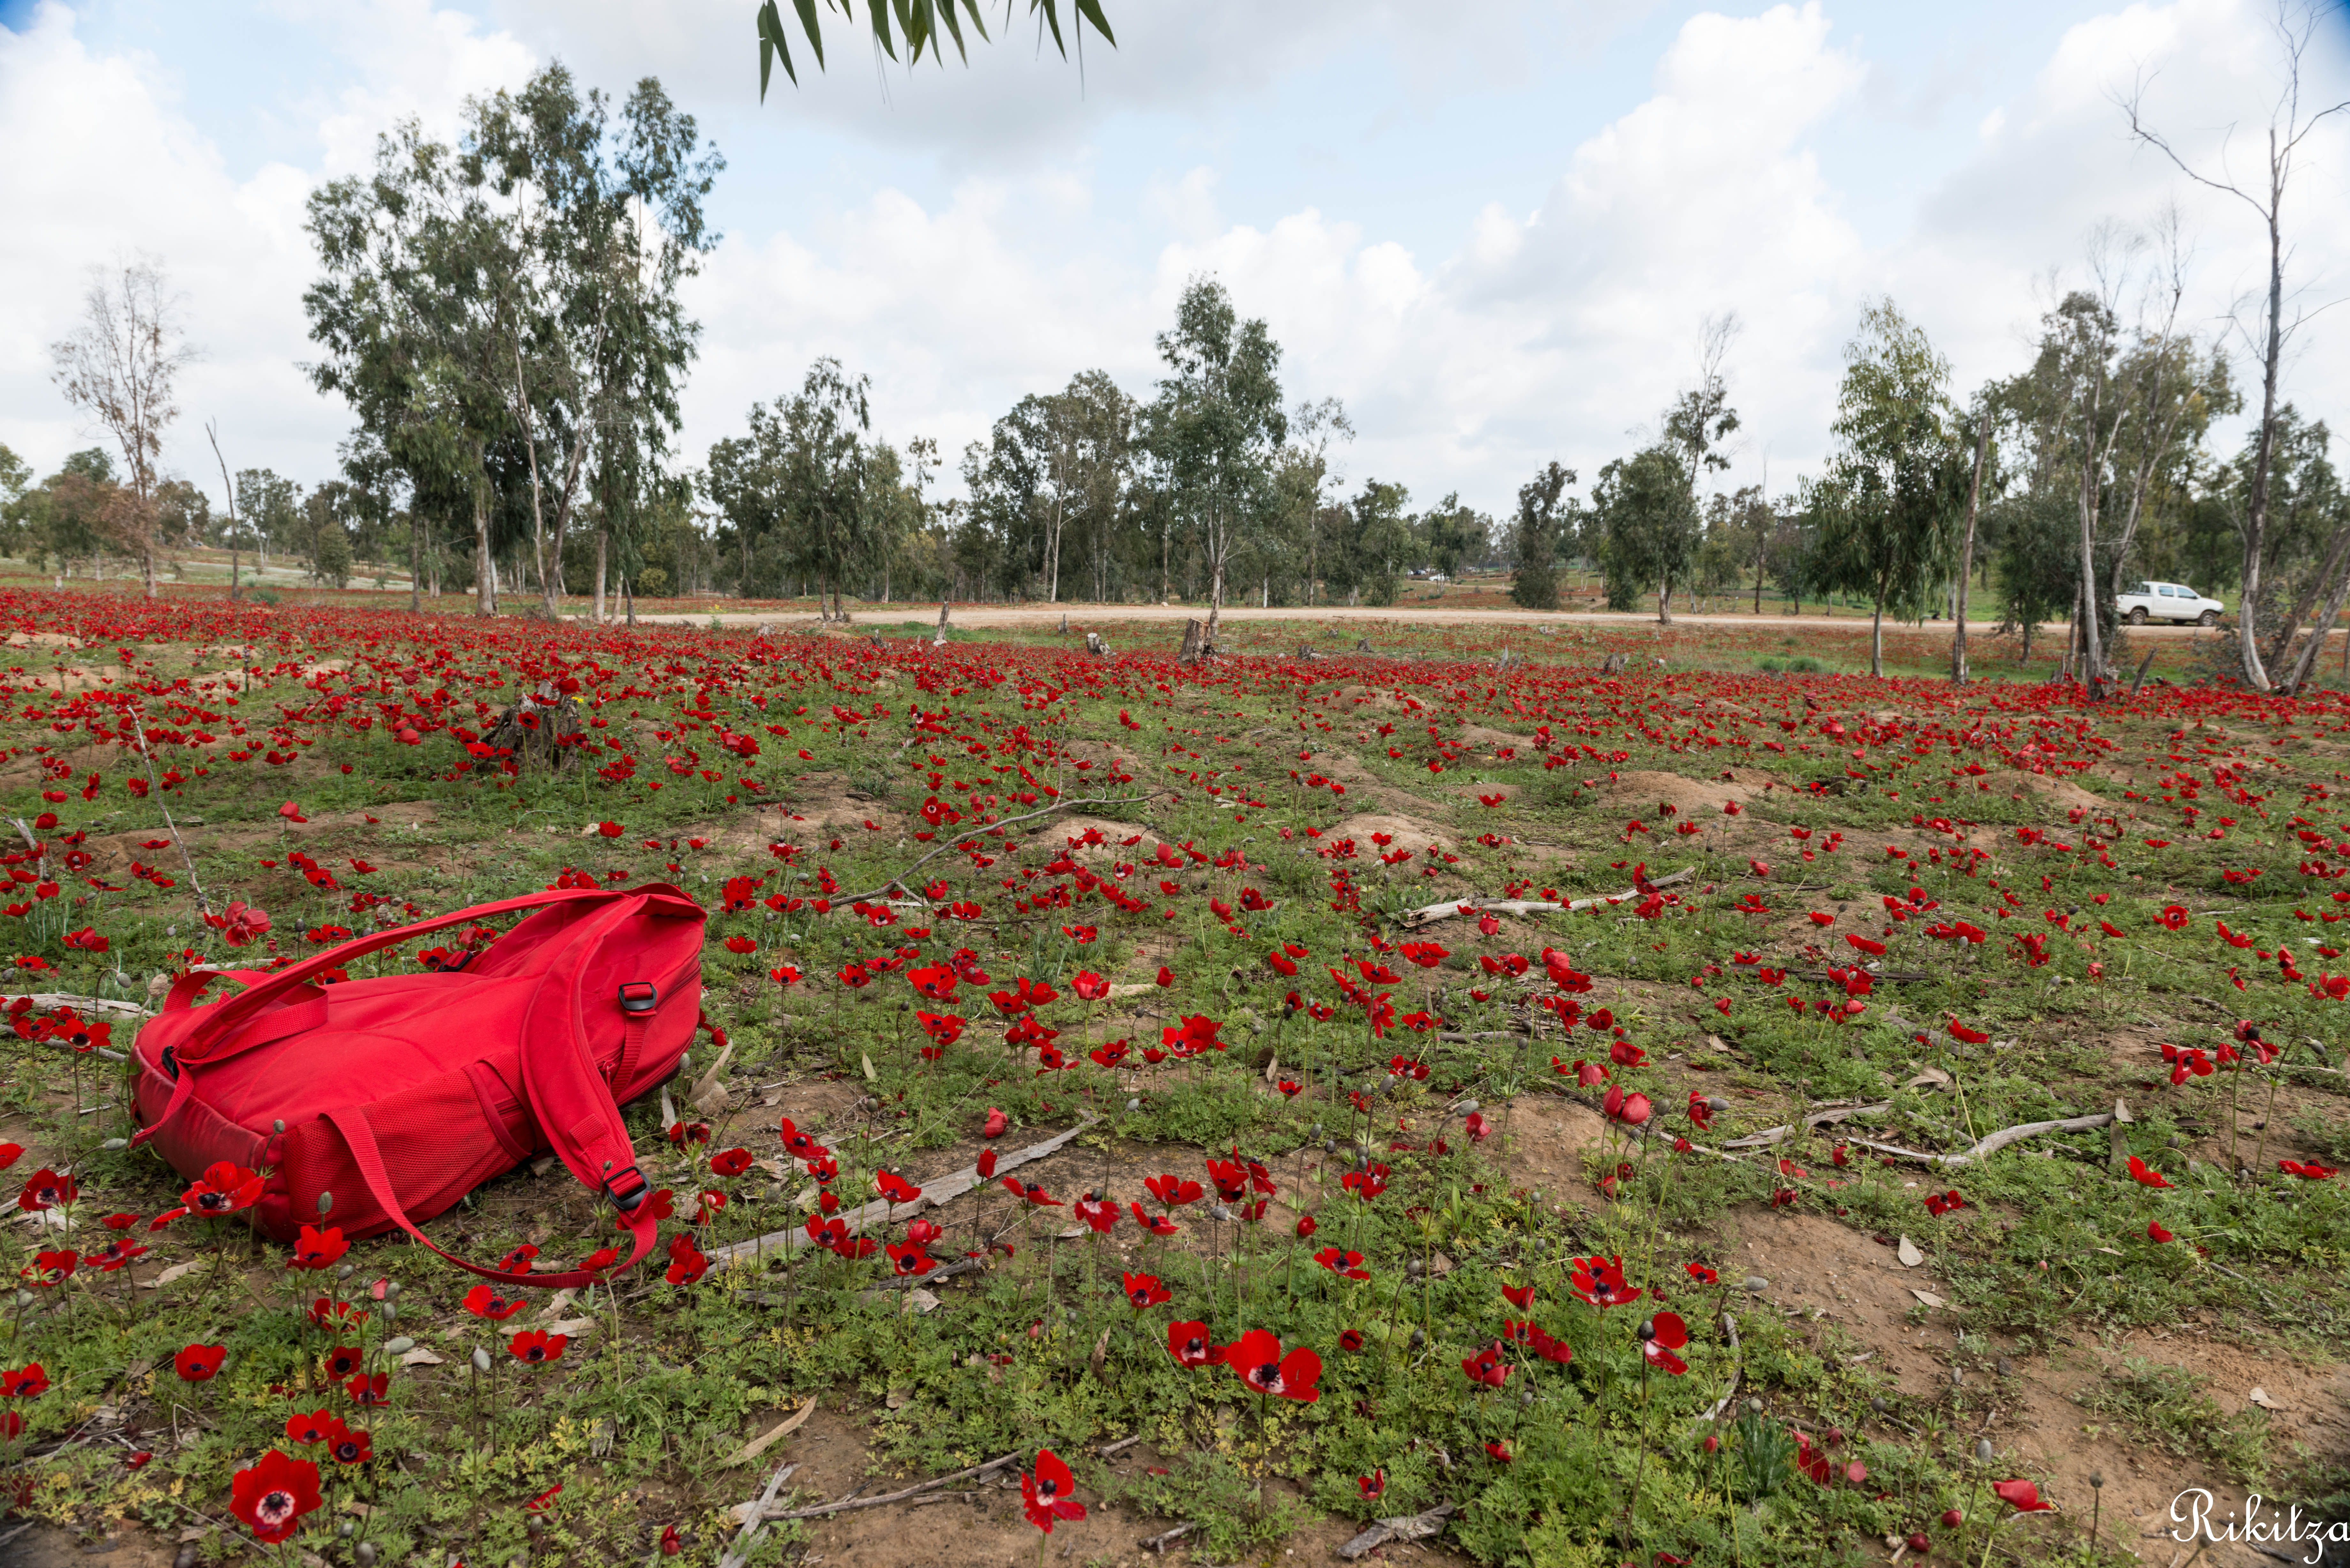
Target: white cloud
[
  {"x": 103, "y": 161},
  {"x": 1468, "y": 359}
]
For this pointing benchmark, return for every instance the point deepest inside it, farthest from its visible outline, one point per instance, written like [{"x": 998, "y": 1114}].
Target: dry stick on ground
[
  {"x": 740, "y": 1552},
  {"x": 155, "y": 787},
  {"x": 1450, "y": 907},
  {"x": 1410, "y": 1527},
  {"x": 852, "y": 1502},
  {"x": 897, "y": 882},
  {"x": 1994, "y": 1143},
  {"x": 1736, "y": 1372},
  {"x": 937, "y": 1191},
  {"x": 1817, "y": 1118}
]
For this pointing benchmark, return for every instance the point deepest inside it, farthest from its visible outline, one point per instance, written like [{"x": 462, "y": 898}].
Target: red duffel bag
[{"x": 400, "y": 1095}]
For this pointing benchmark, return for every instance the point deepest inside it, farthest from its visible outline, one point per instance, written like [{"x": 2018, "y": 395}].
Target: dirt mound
[
  {"x": 1069, "y": 832},
  {"x": 2056, "y": 791},
  {"x": 1408, "y": 833},
  {"x": 1702, "y": 798}
]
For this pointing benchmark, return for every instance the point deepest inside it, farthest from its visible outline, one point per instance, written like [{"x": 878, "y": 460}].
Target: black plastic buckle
[
  {"x": 638, "y": 1188},
  {"x": 639, "y": 996}
]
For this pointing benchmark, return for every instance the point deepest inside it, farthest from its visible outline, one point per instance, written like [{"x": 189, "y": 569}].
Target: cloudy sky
[{"x": 1493, "y": 230}]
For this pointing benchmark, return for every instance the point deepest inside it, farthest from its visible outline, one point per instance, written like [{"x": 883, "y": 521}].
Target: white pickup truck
[{"x": 2143, "y": 602}]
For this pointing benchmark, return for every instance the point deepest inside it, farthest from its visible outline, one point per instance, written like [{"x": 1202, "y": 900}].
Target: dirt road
[{"x": 1087, "y": 617}]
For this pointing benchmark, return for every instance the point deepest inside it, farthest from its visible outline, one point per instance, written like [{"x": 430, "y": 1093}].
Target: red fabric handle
[
  {"x": 360, "y": 1139},
  {"x": 224, "y": 1016},
  {"x": 191, "y": 985}
]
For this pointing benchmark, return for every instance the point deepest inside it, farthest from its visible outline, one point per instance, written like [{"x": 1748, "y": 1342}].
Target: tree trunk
[
  {"x": 603, "y": 538},
  {"x": 485, "y": 580},
  {"x": 1876, "y": 639},
  {"x": 2256, "y": 499},
  {"x": 415, "y": 563},
  {"x": 1967, "y": 558},
  {"x": 2093, "y": 661},
  {"x": 2338, "y": 571},
  {"x": 1665, "y": 602},
  {"x": 629, "y": 598}
]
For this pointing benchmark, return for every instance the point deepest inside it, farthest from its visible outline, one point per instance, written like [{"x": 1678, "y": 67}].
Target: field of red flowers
[{"x": 1448, "y": 1106}]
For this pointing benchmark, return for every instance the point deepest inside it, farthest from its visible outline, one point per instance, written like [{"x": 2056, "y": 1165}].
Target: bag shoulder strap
[
  {"x": 360, "y": 1139},
  {"x": 225, "y": 1015}
]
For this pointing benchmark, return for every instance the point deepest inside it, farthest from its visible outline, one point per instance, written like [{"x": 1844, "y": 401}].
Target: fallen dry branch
[
  {"x": 1769, "y": 1136},
  {"x": 852, "y": 1503},
  {"x": 1431, "y": 913},
  {"x": 1994, "y": 1143},
  {"x": 752, "y": 1515},
  {"x": 936, "y": 1192},
  {"x": 1409, "y": 1527}
]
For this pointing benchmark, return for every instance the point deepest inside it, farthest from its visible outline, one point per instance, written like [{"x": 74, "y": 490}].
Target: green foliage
[
  {"x": 1884, "y": 509},
  {"x": 2169, "y": 1407},
  {"x": 1538, "y": 537},
  {"x": 1650, "y": 523}
]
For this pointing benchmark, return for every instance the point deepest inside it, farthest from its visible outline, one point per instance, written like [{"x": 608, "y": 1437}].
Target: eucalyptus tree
[
  {"x": 1217, "y": 426},
  {"x": 1647, "y": 507},
  {"x": 521, "y": 288},
  {"x": 412, "y": 257},
  {"x": 1538, "y": 535},
  {"x": 1883, "y": 511},
  {"x": 826, "y": 526},
  {"x": 609, "y": 223},
  {"x": 1303, "y": 475}
]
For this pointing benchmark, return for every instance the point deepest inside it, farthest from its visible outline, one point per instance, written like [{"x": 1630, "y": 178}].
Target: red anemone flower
[
  {"x": 315, "y": 1428},
  {"x": 2021, "y": 1496},
  {"x": 1189, "y": 1344},
  {"x": 317, "y": 1248},
  {"x": 483, "y": 1302},
  {"x": 273, "y": 1495},
  {"x": 1257, "y": 1358},
  {"x": 1174, "y": 1191},
  {"x": 1144, "y": 1292},
  {"x": 1600, "y": 1282},
  {"x": 1659, "y": 1337},
  {"x": 2145, "y": 1174},
  {"x": 1157, "y": 1224},
  {"x": 1044, "y": 1492},
  {"x": 1486, "y": 1368},
  {"x": 536, "y": 1345},
  {"x": 1345, "y": 1264},
  {"x": 1630, "y": 1109},
  {"x": 1030, "y": 1192},
  {"x": 199, "y": 1362}
]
